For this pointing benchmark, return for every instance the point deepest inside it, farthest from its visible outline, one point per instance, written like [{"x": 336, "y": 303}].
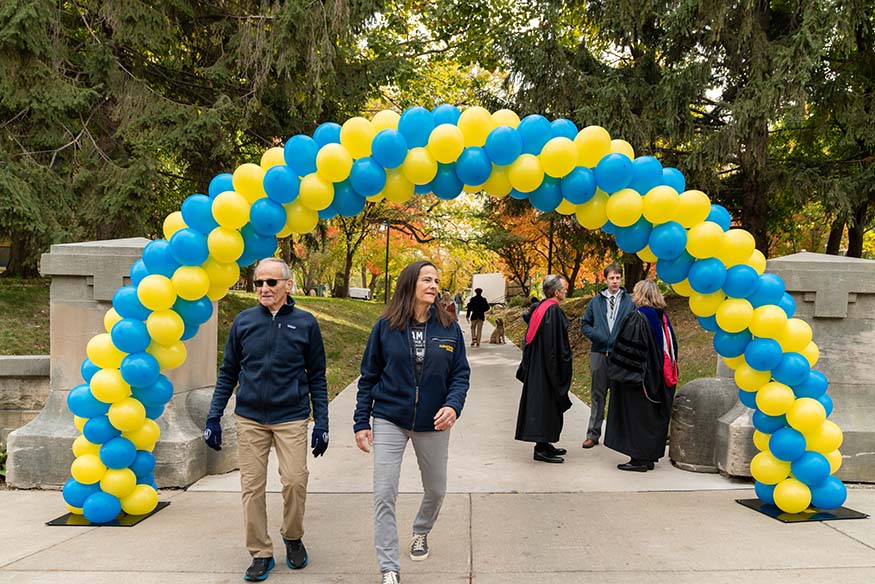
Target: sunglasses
[{"x": 270, "y": 282}]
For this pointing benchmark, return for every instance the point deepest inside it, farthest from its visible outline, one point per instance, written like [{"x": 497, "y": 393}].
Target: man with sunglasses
[{"x": 276, "y": 359}]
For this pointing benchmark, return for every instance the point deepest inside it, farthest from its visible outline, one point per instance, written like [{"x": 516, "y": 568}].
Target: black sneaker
[
  {"x": 259, "y": 569},
  {"x": 419, "y": 547},
  {"x": 296, "y": 554},
  {"x": 390, "y": 578}
]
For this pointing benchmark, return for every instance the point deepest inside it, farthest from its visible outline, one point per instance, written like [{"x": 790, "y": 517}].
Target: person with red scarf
[{"x": 545, "y": 372}]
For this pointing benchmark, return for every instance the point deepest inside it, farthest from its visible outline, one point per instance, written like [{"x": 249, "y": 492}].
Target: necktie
[{"x": 612, "y": 303}]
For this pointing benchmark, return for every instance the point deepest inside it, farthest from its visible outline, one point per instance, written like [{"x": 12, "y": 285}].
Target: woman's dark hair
[{"x": 400, "y": 310}]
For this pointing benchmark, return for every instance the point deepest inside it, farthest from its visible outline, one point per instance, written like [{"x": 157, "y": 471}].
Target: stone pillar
[{"x": 84, "y": 278}]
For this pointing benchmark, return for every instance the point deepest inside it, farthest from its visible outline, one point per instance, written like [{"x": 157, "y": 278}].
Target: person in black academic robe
[
  {"x": 640, "y": 405},
  {"x": 545, "y": 371}
]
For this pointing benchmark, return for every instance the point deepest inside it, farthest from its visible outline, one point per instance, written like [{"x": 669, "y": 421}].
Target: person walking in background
[
  {"x": 599, "y": 325},
  {"x": 414, "y": 381},
  {"x": 276, "y": 359},
  {"x": 477, "y": 309},
  {"x": 546, "y": 374},
  {"x": 643, "y": 373},
  {"x": 449, "y": 305},
  {"x": 458, "y": 300}
]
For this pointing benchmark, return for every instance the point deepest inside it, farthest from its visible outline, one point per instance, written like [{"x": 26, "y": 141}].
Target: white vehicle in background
[
  {"x": 494, "y": 287},
  {"x": 360, "y": 293}
]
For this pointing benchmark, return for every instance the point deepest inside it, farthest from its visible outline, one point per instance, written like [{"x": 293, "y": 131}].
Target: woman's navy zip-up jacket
[
  {"x": 387, "y": 388},
  {"x": 277, "y": 364}
]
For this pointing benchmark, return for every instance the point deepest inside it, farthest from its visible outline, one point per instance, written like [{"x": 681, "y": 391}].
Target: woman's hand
[
  {"x": 364, "y": 440},
  {"x": 445, "y": 418}
]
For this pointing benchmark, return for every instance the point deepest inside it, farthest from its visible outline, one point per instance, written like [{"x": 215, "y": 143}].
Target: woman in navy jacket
[{"x": 414, "y": 382}]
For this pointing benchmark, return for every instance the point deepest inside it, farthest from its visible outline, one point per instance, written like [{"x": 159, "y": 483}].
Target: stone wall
[{"x": 24, "y": 389}]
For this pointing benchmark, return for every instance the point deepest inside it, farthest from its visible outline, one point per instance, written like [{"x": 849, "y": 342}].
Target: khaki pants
[
  {"x": 476, "y": 329},
  {"x": 253, "y": 446}
]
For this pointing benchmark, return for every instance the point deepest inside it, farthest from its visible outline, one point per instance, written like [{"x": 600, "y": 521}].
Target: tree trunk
[
  {"x": 19, "y": 265},
  {"x": 836, "y": 231},
  {"x": 858, "y": 230},
  {"x": 633, "y": 268}
]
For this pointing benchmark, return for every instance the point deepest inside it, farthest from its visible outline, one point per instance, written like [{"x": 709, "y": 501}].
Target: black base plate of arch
[
  {"x": 812, "y": 514},
  {"x": 123, "y": 520}
]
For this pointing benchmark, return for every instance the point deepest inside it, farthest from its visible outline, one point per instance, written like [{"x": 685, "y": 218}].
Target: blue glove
[
  {"x": 319, "y": 443},
  {"x": 213, "y": 433}
]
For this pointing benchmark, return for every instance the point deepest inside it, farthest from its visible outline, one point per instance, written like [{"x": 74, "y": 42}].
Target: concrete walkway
[{"x": 506, "y": 518}]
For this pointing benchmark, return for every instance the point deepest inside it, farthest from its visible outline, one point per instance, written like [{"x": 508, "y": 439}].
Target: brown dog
[{"x": 498, "y": 334}]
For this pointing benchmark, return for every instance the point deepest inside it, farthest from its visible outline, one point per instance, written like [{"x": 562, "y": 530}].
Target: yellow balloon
[
  {"x": 625, "y": 207},
  {"x": 225, "y": 245},
  {"x": 835, "y": 461},
  {"x": 704, "y": 240},
  {"x": 825, "y": 438},
  {"x": 141, "y": 501},
  {"x": 683, "y": 288},
  {"x": 108, "y": 386},
  {"x": 87, "y": 469},
  {"x": 216, "y": 293},
  {"x": 757, "y": 261},
  {"x": 272, "y": 157},
  {"x": 706, "y": 304},
  {"x": 648, "y": 256},
  {"x": 299, "y": 218},
  {"x": 738, "y": 245},
  {"x": 660, "y": 204},
  {"x": 173, "y": 223},
  {"x": 733, "y": 362},
  {"x": 419, "y": 167},
  {"x": 118, "y": 482},
  {"x": 774, "y": 398},
  {"x": 749, "y": 379},
  {"x": 315, "y": 193},
  {"x": 144, "y": 437},
  {"x": 498, "y": 183},
  {"x": 693, "y": 208},
  {"x": 385, "y": 120},
  {"x": 231, "y": 210},
  {"x": 807, "y": 415},
  {"x": 79, "y": 423},
  {"x": 769, "y": 470},
  {"x": 593, "y": 143},
  {"x": 558, "y": 157},
  {"x": 526, "y": 173},
  {"x": 623, "y": 147},
  {"x": 446, "y": 143},
  {"x": 168, "y": 356},
  {"x": 156, "y": 292},
  {"x": 81, "y": 446},
  {"x": 734, "y": 315},
  {"x": 811, "y": 352},
  {"x": 379, "y": 196},
  {"x": 356, "y": 135},
  {"x": 127, "y": 414},
  {"x": 768, "y": 321},
  {"x": 102, "y": 352},
  {"x": 110, "y": 318},
  {"x": 797, "y": 334},
  {"x": 476, "y": 123},
  {"x": 248, "y": 180},
  {"x": 792, "y": 496},
  {"x": 473, "y": 188},
  {"x": 190, "y": 282},
  {"x": 506, "y": 117},
  {"x": 761, "y": 441},
  {"x": 398, "y": 189},
  {"x": 221, "y": 273},
  {"x": 333, "y": 163},
  {"x": 566, "y": 208},
  {"x": 74, "y": 511},
  {"x": 165, "y": 326},
  {"x": 593, "y": 214}
]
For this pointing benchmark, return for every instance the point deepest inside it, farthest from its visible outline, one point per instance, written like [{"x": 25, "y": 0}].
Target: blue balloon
[
  {"x": 446, "y": 184},
  {"x": 518, "y": 195},
  {"x": 445, "y": 114},
  {"x": 197, "y": 212},
  {"x": 578, "y": 186},
  {"x": 127, "y": 304},
  {"x": 415, "y": 125},
  {"x": 731, "y": 344},
  {"x": 814, "y": 386},
  {"x": 159, "y": 259},
  {"x": 130, "y": 335},
  {"x": 328, "y": 212},
  {"x": 267, "y": 217},
  {"x": 787, "y": 304},
  {"x": 189, "y": 247},
  {"x": 668, "y": 241},
  {"x": 347, "y": 201},
  {"x": 672, "y": 177},
  {"x": 138, "y": 272},
  {"x": 367, "y": 177},
  {"x": 101, "y": 507},
  {"x": 674, "y": 271},
  {"x": 327, "y": 133},
  {"x": 720, "y": 216},
  {"x": 764, "y": 492},
  {"x": 220, "y": 184},
  {"x": 768, "y": 424},
  {"x": 547, "y": 196},
  {"x": 741, "y": 280},
  {"x": 748, "y": 398},
  {"x": 812, "y": 468},
  {"x": 389, "y": 148},
  {"x": 300, "y": 153},
  {"x": 473, "y": 167},
  {"x": 281, "y": 184},
  {"x": 75, "y": 493},
  {"x": 769, "y": 290},
  {"x": 156, "y": 394},
  {"x": 535, "y": 131},
  {"x": 255, "y": 245},
  {"x": 563, "y": 128},
  {"x": 827, "y": 404},
  {"x": 149, "y": 479},
  {"x": 763, "y": 354},
  {"x": 88, "y": 369},
  {"x": 82, "y": 402},
  {"x": 609, "y": 228},
  {"x": 189, "y": 331},
  {"x": 144, "y": 463},
  {"x": 503, "y": 145},
  {"x": 140, "y": 369},
  {"x": 154, "y": 412},
  {"x": 707, "y": 275},
  {"x": 118, "y": 453},
  {"x": 634, "y": 238},
  {"x": 830, "y": 494},
  {"x": 792, "y": 370},
  {"x": 194, "y": 311},
  {"x": 613, "y": 172},
  {"x": 709, "y": 323},
  {"x": 422, "y": 189},
  {"x": 99, "y": 430},
  {"x": 646, "y": 174},
  {"x": 787, "y": 444}
]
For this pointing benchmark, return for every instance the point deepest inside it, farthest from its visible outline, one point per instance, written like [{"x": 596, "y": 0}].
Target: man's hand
[
  {"x": 213, "y": 433},
  {"x": 364, "y": 440},
  {"x": 445, "y": 418},
  {"x": 319, "y": 442}
]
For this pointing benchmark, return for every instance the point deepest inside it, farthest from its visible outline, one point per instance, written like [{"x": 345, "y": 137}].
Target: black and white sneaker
[
  {"x": 391, "y": 578},
  {"x": 419, "y": 547}
]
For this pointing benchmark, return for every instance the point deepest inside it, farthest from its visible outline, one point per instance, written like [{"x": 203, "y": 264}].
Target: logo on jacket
[
  {"x": 291, "y": 326},
  {"x": 447, "y": 348}
]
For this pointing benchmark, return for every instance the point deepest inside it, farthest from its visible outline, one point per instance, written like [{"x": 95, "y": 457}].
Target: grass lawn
[{"x": 24, "y": 316}]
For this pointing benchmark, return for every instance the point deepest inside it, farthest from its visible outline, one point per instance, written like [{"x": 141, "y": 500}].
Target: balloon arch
[{"x": 446, "y": 151}]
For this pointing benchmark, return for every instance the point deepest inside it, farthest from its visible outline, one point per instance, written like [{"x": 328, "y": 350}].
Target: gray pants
[
  {"x": 431, "y": 453},
  {"x": 598, "y": 394}
]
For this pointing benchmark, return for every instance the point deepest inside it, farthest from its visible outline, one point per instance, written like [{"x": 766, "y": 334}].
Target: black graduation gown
[
  {"x": 546, "y": 375},
  {"x": 640, "y": 403}
]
